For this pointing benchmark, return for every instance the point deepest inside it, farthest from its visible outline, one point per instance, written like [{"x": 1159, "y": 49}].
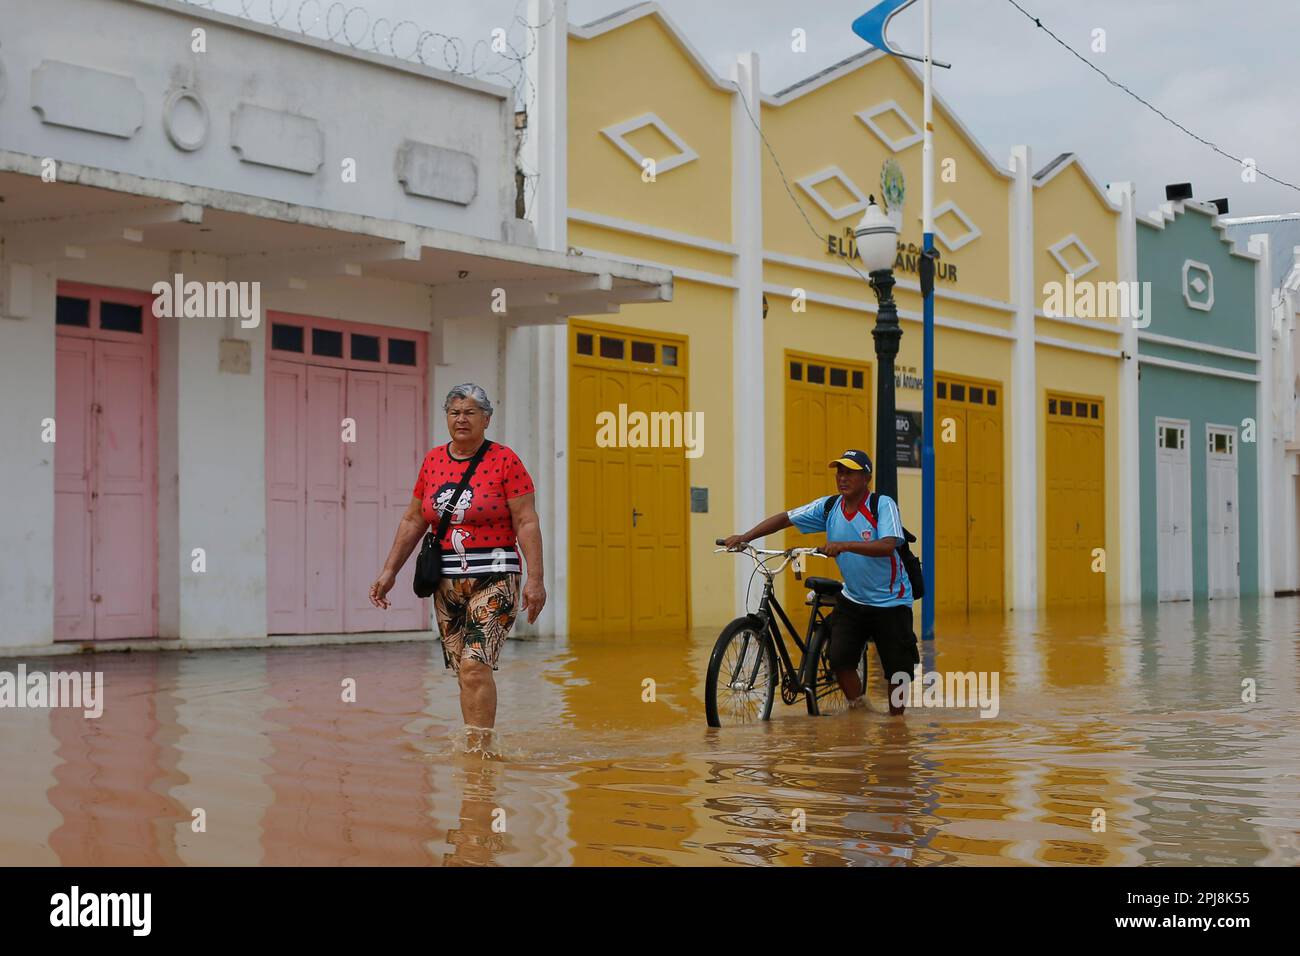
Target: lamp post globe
[
  {"x": 877, "y": 238},
  {"x": 877, "y": 241}
]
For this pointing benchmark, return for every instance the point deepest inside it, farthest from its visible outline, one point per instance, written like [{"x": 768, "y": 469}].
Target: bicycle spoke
[{"x": 743, "y": 696}]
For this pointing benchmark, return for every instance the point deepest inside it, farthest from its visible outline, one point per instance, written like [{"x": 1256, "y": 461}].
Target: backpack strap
[{"x": 827, "y": 508}]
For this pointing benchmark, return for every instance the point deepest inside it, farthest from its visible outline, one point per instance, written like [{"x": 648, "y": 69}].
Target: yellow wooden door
[
  {"x": 1076, "y": 522},
  {"x": 628, "y": 497},
  {"x": 968, "y": 494},
  {"x": 658, "y": 532},
  {"x": 827, "y": 405},
  {"x": 984, "y": 492}
]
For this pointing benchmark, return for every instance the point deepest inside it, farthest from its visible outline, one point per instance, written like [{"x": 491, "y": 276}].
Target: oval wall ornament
[{"x": 185, "y": 119}]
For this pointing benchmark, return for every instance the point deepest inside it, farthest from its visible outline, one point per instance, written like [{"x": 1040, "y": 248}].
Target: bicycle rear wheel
[
  {"x": 826, "y": 698},
  {"x": 742, "y": 676}
]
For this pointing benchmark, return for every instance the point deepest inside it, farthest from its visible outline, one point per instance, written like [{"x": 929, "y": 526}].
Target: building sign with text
[
  {"x": 907, "y": 444},
  {"x": 907, "y": 259}
]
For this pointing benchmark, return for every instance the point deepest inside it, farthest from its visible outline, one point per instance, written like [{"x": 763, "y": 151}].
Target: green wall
[
  {"x": 1170, "y": 393},
  {"x": 1197, "y": 397}
]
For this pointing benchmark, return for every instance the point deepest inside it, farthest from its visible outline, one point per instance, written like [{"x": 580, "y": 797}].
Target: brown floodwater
[{"x": 1121, "y": 738}]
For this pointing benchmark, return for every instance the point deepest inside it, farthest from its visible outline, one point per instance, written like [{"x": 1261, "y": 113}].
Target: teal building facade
[{"x": 1199, "y": 402}]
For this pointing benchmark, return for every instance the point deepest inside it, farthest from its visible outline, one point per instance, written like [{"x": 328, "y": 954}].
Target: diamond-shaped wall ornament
[
  {"x": 618, "y": 133},
  {"x": 1078, "y": 271},
  {"x": 954, "y": 243},
  {"x": 868, "y": 116},
  {"x": 1198, "y": 286},
  {"x": 809, "y": 185}
]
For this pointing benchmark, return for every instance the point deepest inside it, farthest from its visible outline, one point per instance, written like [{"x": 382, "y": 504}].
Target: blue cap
[{"x": 855, "y": 460}]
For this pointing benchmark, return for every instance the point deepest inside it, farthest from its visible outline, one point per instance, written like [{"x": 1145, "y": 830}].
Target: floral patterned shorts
[{"x": 474, "y": 616}]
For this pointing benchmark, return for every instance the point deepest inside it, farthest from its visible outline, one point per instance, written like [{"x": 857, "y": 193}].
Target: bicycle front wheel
[
  {"x": 742, "y": 676},
  {"x": 826, "y": 697}
]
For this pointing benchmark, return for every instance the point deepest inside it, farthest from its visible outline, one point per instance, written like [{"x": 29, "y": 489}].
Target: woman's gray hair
[{"x": 471, "y": 391}]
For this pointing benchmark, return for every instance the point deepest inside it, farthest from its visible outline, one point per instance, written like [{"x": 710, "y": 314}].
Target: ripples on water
[{"x": 1121, "y": 738}]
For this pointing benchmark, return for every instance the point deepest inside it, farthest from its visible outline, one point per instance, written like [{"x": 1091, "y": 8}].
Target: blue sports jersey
[{"x": 882, "y": 581}]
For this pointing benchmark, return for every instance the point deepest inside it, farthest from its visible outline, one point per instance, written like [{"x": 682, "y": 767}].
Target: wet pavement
[{"x": 1121, "y": 738}]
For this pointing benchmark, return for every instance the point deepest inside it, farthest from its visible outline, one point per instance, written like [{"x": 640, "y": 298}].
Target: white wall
[
  {"x": 350, "y": 105},
  {"x": 211, "y": 429},
  {"x": 27, "y": 471}
]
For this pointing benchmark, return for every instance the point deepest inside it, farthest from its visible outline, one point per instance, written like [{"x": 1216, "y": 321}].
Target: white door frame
[
  {"x": 1234, "y": 579},
  {"x": 1164, "y": 593}
]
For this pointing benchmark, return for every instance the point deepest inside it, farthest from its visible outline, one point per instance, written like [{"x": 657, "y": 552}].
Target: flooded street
[{"x": 1121, "y": 738}]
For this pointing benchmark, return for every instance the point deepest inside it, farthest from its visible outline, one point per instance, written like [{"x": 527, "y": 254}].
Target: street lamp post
[{"x": 877, "y": 240}]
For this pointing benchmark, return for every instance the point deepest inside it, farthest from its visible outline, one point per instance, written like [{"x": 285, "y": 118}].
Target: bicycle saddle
[{"x": 824, "y": 586}]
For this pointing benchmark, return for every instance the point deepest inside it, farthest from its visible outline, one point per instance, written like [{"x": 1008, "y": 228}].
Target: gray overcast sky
[{"x": 1223, "y": 68}]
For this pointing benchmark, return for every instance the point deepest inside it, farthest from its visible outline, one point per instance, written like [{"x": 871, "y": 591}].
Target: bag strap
[
  {"x": 460, "y": 489},
  {"x": 830, "y": 505}
]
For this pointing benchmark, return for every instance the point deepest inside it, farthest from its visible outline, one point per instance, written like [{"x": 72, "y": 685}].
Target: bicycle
[{"x": 751, "y": 650}]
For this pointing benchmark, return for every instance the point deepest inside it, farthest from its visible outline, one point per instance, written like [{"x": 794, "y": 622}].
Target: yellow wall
[
  {"x": 1067, "y": 204},
  {"x": 819, "y": 129},
  {"x": 640, "y": 67},
  {"x": 633, "y": 70}
]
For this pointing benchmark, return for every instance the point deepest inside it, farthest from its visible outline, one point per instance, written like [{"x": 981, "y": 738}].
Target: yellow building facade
[{"x": 770, "y": 327}]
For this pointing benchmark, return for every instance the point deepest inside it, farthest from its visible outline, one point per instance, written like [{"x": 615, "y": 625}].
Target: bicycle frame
[{"x": 794, "y": 680}]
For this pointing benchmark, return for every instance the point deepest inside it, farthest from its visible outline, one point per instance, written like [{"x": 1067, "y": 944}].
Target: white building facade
[
  {"x": 229, "y": 463},
  {"x": 1279, "y": 237}
]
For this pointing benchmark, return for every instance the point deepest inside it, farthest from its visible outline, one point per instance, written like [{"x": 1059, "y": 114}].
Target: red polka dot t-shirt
[{"x": 480, "y": 536}]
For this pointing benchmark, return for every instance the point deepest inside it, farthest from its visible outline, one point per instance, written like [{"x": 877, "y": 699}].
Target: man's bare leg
[{"x": 854, "y": 692}]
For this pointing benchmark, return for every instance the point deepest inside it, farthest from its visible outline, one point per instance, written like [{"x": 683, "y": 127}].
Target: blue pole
[{"x": 927, "y": 458}]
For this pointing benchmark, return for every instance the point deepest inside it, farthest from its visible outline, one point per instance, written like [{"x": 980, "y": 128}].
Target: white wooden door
[
  {"x": 1222, "y": 510},
  {"x": 1173, "y": 511}
]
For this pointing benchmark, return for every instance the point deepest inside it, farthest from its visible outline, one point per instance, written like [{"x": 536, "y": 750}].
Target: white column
[
  {"x": 27, "y": 367},
  {"x": 1024, "y": 389},
  {"x": 220, "y": 421},
  {"x": 1287, "y": 568},
  {"x": 747, "y": 304},
  {"x": 548, "y": 116},
  {"x": 1130, "y": 438},
  {"x": 1268, "y": 462},
  {"x": 545, "y": 154}
]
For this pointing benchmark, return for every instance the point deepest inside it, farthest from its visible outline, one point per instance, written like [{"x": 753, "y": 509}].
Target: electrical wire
[
  {"x": 1168, "y": 119},
  {"x": 786, "y": 182}
]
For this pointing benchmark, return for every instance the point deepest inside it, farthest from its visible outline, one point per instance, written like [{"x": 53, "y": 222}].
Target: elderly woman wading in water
[{"x": 478, "y": 596}]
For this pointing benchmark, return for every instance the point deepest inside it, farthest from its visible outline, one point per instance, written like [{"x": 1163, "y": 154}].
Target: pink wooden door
[
  {"x": 105, "y": 464},
  {"x": 74, "y": 376},
  {"x": 124, "y": 544},
  {"x": 286, "y": 488},
  {"x": 323, "y": 417},
  {"x": 363, "y": 502},
  {"x": 402, "y": 452},
  {"x": 333, "y": 506}
]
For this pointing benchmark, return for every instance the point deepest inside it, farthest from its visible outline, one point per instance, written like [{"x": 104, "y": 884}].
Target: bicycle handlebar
[{"x": 763, "y": 555}]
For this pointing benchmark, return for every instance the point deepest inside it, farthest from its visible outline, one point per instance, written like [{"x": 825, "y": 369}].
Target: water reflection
[{"x": 1130, "y": 735}]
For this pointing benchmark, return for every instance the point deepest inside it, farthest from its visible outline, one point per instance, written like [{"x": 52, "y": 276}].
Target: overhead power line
[{"x": 1168, "y": 119}]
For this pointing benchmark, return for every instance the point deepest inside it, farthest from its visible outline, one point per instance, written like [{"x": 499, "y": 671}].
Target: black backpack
[{"x": 911, "y": 563}]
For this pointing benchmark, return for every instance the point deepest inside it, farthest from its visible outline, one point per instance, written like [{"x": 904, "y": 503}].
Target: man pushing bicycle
[{"x": 876, "y": 602}]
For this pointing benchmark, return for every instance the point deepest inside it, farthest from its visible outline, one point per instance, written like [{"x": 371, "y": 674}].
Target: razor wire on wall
[{"x": 500, "y": 55}]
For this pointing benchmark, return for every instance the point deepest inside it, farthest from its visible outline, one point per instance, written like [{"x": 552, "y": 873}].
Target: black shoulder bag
[{"x": 428, "y": 565}]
